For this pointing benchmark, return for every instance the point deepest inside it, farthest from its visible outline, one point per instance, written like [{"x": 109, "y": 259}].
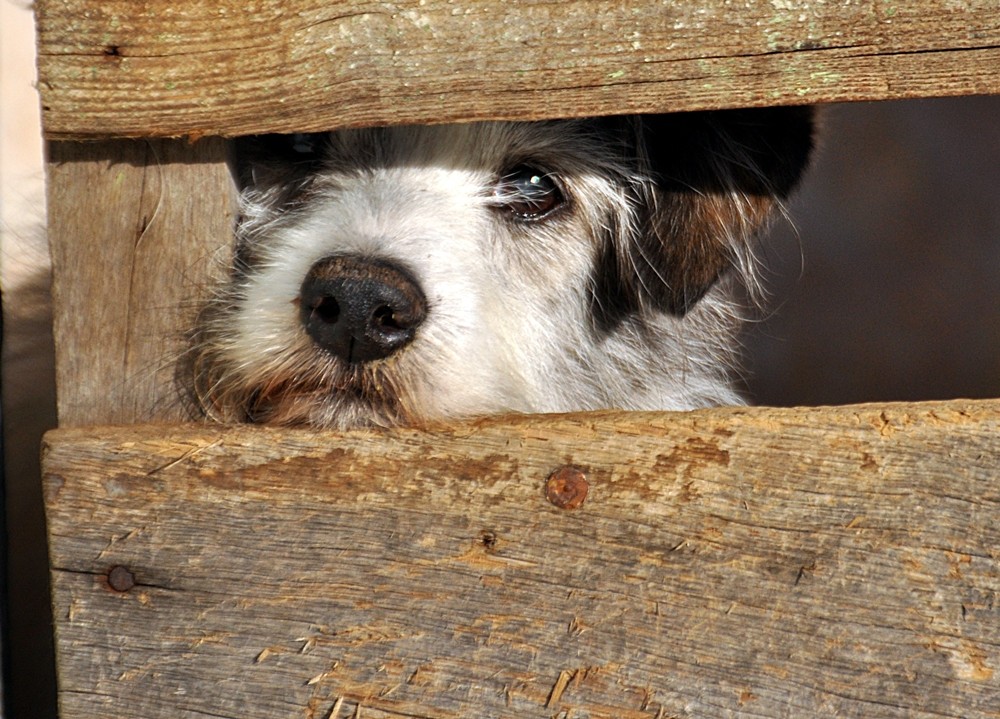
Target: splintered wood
[{"x": 774, "y": 563}]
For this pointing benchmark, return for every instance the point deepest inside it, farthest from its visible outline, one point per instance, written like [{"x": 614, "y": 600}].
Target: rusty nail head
[
  {"x": 567, "y": 487},
  {"x": 120, "y": 578}
]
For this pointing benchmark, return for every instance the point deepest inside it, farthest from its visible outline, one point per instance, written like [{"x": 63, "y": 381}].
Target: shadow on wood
[{"x": 773, "y": 563}]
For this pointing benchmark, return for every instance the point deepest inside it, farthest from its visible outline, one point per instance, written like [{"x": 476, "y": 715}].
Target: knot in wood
[
  {"x": 488, "y": 539},
  {"x": 567, "y": 487}
]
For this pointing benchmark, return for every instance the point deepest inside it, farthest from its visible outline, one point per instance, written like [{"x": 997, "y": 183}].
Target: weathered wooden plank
[
  {"x": 174, "y": 67},
  {"x": 739, "y": 562},
  {"x": 138, "y": 229}
]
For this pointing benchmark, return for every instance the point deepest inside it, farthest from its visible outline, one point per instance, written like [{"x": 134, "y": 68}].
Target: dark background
[{"x": 892, "y": 289}]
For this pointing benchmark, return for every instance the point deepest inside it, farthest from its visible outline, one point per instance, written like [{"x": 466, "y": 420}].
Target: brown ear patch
[
  {"x": 717, "y": 178},
  {"x": 689, "y": 243}
]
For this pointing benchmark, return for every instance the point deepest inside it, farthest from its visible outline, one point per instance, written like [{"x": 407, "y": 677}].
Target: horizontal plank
[
  {"x": 764, "y": 562},
  {"x": 187, "y": 67}
]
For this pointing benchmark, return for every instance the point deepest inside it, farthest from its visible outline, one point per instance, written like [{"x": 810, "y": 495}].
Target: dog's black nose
[{"x": 360, "y": 309}]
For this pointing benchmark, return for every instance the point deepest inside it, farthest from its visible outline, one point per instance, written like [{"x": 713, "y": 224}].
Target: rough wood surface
[
  {"x": 743, "y": 562},
  {"x": 175, "y": 67},
  {"x": 137, "y": 229}
]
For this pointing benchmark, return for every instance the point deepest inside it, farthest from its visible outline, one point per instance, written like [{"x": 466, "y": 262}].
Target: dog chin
[
  {"x": 352, "y": 399},
  {"x": 339, "y": 409},
  {"x": 350, "y": 413}
]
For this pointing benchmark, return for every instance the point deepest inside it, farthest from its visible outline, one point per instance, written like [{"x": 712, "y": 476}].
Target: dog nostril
[
  {"x": 326, "y": 309},
  {"x": 360, "y": 309},
  {"x": 385, "y": 317}
]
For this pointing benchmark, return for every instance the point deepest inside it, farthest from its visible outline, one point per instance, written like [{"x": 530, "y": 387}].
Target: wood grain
[
  {"x": 138, "y": 230},
  {"x": 187, "y": 67},
  {"x": 741, "y": 562}
]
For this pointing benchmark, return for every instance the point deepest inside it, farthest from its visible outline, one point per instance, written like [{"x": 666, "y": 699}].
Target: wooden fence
[{"x": 733, "y": 562}]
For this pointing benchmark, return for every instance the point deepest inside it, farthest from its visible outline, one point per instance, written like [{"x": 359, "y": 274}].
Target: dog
[{"x": 410, "y": 274}]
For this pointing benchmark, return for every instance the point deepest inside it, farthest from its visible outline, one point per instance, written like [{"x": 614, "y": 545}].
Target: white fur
[{"x": 509, "y": 325}]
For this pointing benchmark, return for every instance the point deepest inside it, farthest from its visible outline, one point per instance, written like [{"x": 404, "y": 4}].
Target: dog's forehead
[{"x": 489, "y": 146}]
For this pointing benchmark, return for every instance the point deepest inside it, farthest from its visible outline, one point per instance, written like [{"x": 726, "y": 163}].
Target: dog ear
[
  {"x": 263, "y": 162},
  {"x": 717, "y": 178}
]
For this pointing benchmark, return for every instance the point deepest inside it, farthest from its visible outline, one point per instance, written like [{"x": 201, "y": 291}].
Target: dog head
[{"x": 396, "y": 275}]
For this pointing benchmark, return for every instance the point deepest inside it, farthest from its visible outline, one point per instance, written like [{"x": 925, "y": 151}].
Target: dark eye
[{"x": 528, "y": 193}]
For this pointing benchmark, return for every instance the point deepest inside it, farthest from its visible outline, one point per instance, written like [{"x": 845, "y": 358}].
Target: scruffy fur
[{"x": 605, "y": 275}]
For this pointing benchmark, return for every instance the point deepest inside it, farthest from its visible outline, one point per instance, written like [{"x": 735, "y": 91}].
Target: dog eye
[{"x": 528, "y": 193}]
